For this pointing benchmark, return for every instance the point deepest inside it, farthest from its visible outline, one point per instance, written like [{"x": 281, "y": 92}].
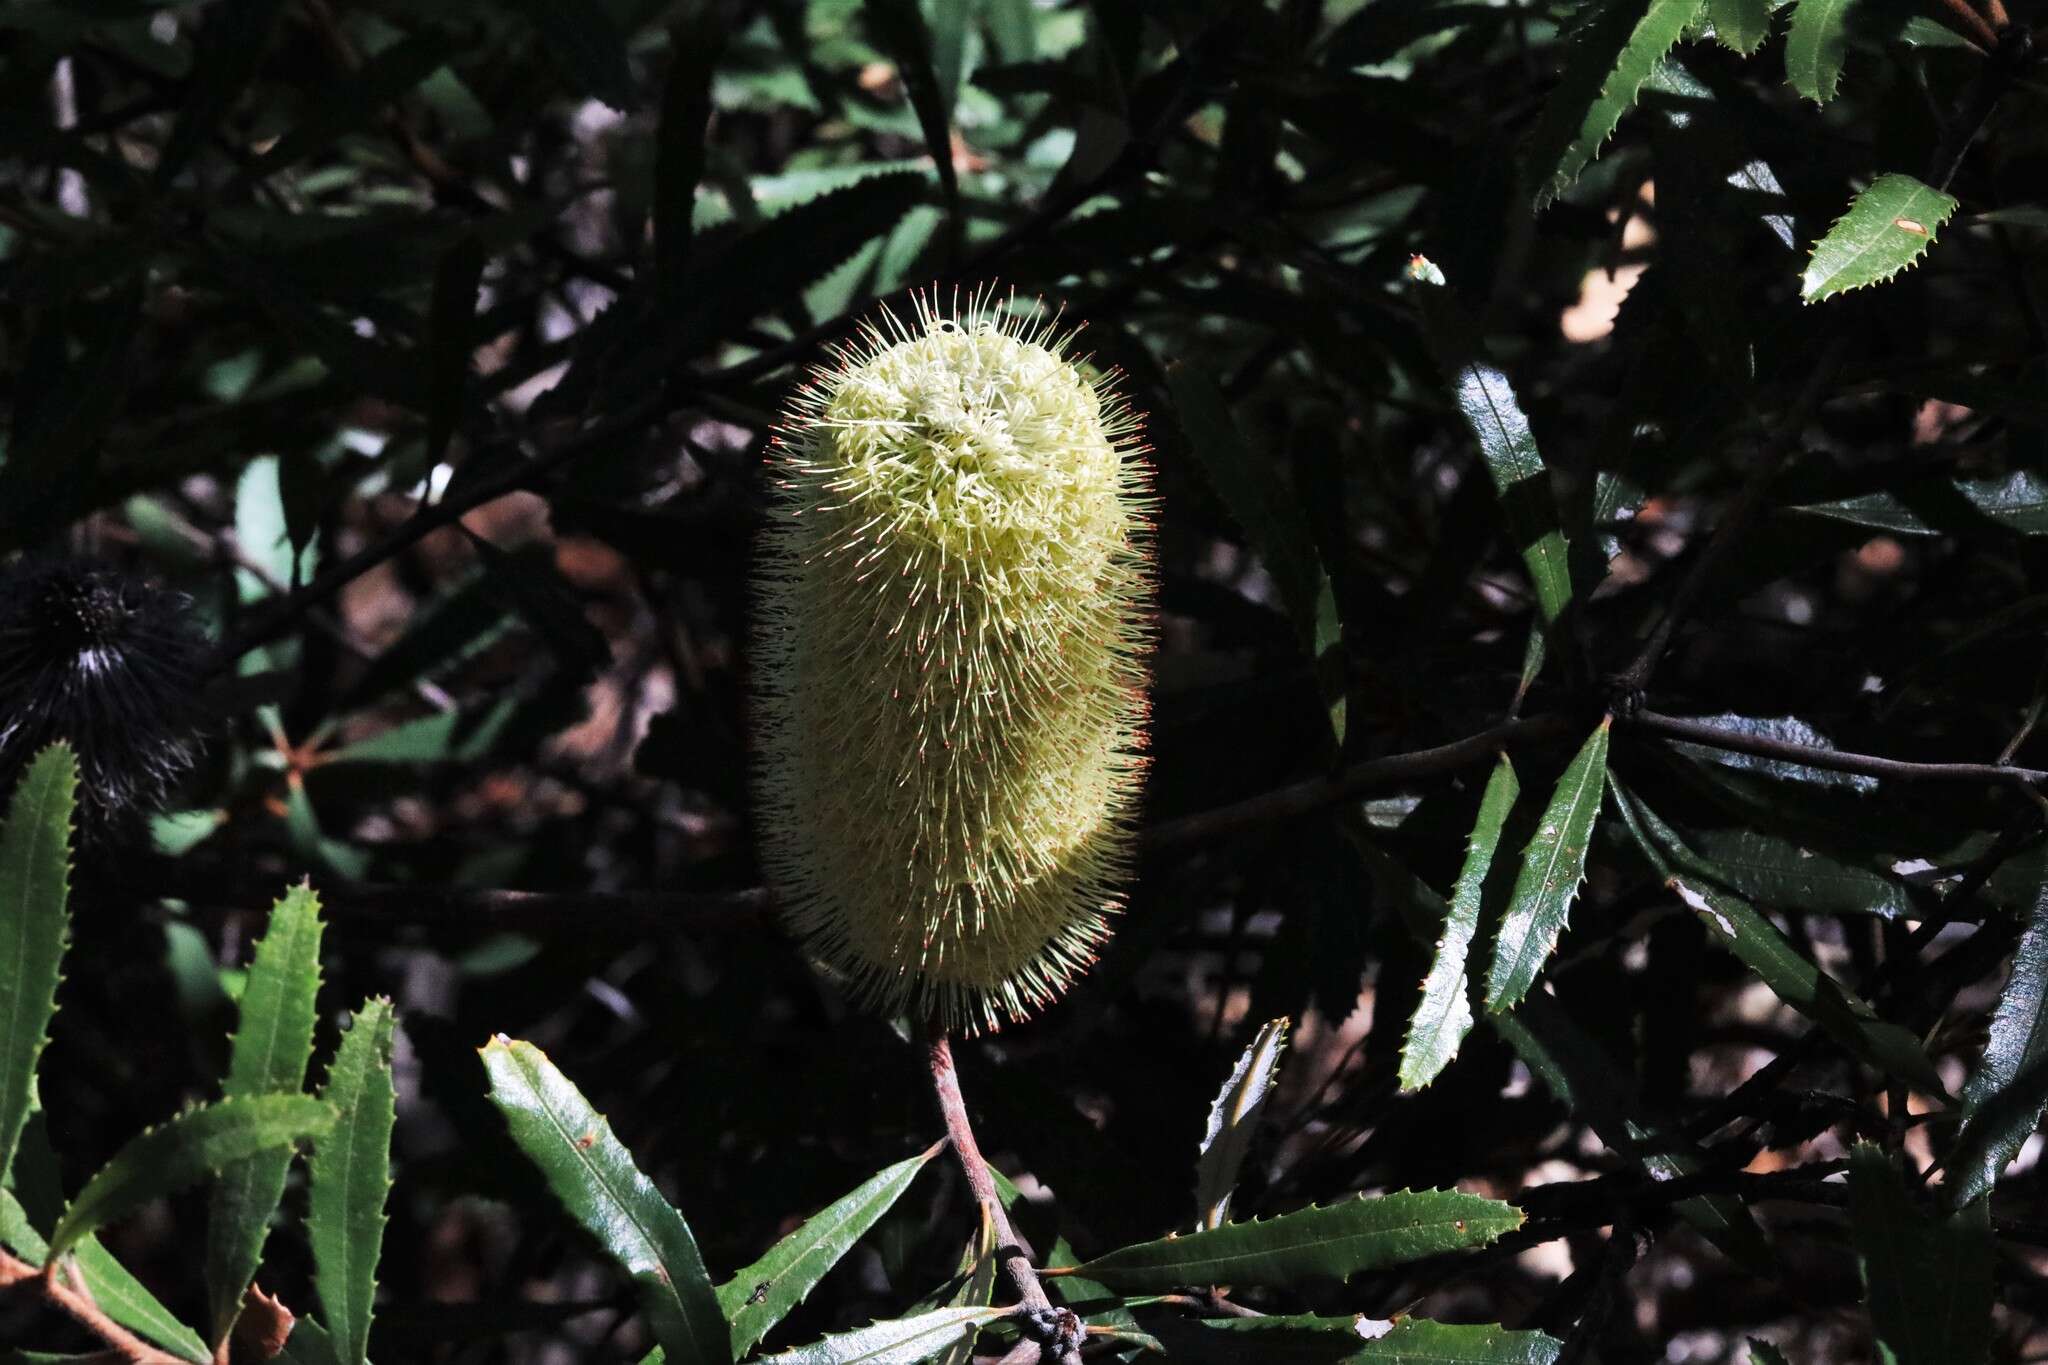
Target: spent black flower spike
[{"x": 108, "y": 662}]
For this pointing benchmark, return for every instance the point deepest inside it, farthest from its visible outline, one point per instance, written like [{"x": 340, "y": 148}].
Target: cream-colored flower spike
[{"x": 955, "y": 617}]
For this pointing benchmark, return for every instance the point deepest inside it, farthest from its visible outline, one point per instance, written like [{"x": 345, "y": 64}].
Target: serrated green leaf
[
  {"x": 794, "y": 248},
  {"x": 184, "y": 1151},
  {"x": 2005, "y": 1096},
  {"x": 2017, "y": 503},
  {"x": 348, "y": 1179},
  {"x": 1927, "y": 1280},
  {"x": 903, "y": 1341},
  {"x": 272, "y": 1046},
  {"x": 1233, "y": 1119},
  {"x": 1507, "y": 446},
  {"x": 1885, "y": 230},
  {"x": 593, "y": 1176},
  {"x": 35, "y": 872},
  {"x": 762, "y": 1294},
  {"x": 1275, "y": 526},
  {"x": 1763, "y": 1353},
  {"x": 1612, "y": 53},
  {"x": 1553, "y": 865},
  {"x": 1741, "y": 25},
  {"x": 1308, "y": 1340},
  {"x": 1815, "y": 46},
  {"x": 1334, "y": 1242},
  {"x": 1744, "y": 930},
  {"x": 309, "y": 1344},
  {"x": 1443, "y": 1016},
  {"x": 118, "y": 1293}
]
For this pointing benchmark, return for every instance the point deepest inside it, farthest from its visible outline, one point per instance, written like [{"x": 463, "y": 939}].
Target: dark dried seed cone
[{"x": 111, "y": 665}]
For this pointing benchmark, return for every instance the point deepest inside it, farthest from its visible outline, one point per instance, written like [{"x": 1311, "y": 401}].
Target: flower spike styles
[{"x": 954, "y": 623}]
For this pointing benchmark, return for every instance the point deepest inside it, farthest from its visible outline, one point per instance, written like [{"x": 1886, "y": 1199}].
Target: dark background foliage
[{"x": 432, "y": 351}]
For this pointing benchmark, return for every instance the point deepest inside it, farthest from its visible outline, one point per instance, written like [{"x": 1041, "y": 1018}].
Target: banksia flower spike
[{"x": 954, "y": 606}]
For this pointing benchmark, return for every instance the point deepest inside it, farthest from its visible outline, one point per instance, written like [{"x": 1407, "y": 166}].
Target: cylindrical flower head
[{"x": 955, "y": 605}]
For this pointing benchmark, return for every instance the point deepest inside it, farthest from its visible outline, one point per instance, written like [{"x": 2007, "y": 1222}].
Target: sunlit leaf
[
  {"x": 1233, "y": 1119},
  {"x": 1886, "y": 229},
  {"x": 1443, "y": 1016}
]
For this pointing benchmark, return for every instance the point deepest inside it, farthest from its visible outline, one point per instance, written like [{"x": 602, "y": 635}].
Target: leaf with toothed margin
[
  {"x": 1553, "y": 865},
  {"x": 1233, "y": 1118},
  {"x": 762, "y": 1294},
  {"x": 888, "y": 1343},
  {"x": 348, "y": 1178},
  {"x": 1815, "y": 46},
  {"x": 1763, "y": 1353},
  {"x": 272, "y": 1046},
  {"x": 1360, "y": 1340},
  {"x": 593, "y": 1176},
  {"x": 1886, "y": 229},
  {"x": 1333, "y": 1242},
  {"x": 1614, "y": 49},
  {"x": 184, "y": 1151},
  {"x": 2007, "y": 1093},
  {"x": 1443, "y": 1016},
  {"x": 35, "y": 873}
]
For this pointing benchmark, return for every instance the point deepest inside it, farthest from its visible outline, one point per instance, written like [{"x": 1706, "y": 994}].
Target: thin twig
[
  {"x": 1833, "y": 760},
  {"x": 79, "y": 1305},
  {"x": 1057, "y": 1330},
  {"x": 1966, "y": 14}
]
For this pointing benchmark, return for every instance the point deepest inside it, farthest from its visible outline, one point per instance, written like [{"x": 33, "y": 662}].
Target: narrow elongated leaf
[
  {"x": 184, "y": 1151},
  {"x": 272, "y": 1046},
  {"x": 1815, "y": 46},
  {"x": 118, "y": 1293},
  {"x": 1741, "y": 25},
  {"x": 1443, "y": 1016},
  {"x": 899, "y": 28},
  {"x": 2017, "y": 503},
  {"x": 1992, "y": 1132},
  {"x": 35, "y": 873},
  {"x": 1885, "y": 230},
  {"x": 1612, "y": 54},
  {"x": 1307, "y": 1340},
  {"x": 1487, "y": 402},
  {"x": 1233, "y": 1119},
  {"x": 1334, "y": 1242},
  {"x": 451, "y": 324},
  {"x": 1797, "y": 878},
  {"x": 348, "y": 1178},
  {"x": 1274, "y": 524},
  {"x": 1927, "y": 1279},
  {"x": 679, "y": 146},
  {"x": 1553, "y": 865},
  {"x": 901, "y": 1342},
  {"x": 762, "y": 1294},
  {"x": 593, "y": 1175},
  {"x": 1792, "y": 977}
]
